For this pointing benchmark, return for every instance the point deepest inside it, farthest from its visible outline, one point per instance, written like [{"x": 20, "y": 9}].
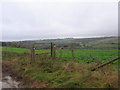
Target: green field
[
  {"x": 80, "y": 55},
  {"x": 88, "y": 54},
  {"x": 63, "y": 72},
  {"x": 14, "y": 50}
]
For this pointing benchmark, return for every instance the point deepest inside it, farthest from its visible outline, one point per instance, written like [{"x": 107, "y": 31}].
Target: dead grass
[{"x": 66, "y": 74}]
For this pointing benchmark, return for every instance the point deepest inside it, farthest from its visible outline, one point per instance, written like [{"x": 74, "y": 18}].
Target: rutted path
[
  {"x": 9, "y": 82},
  {"x": 7, "y": 79},
  {"x": 10, "y": 79}
]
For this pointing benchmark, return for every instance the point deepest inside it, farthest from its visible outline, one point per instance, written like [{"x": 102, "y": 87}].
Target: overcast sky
[{"x": 46, "y": 20}]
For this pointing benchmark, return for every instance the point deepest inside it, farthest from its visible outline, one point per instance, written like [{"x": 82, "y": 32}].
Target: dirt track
[{"x": 9, "y": 79}]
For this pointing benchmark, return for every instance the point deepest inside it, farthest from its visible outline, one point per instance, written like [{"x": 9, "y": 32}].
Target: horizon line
[{"x": 54, "y": 38}]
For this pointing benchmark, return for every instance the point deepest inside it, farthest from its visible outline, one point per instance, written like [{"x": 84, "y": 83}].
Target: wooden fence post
[
  {"x": 54, "y": 50},
  {"x": 72, "y": 51},
  {"x": 51, "y": 49},
  {"x": 33, "y": 53},
  {"x": 103, "y": 64}
]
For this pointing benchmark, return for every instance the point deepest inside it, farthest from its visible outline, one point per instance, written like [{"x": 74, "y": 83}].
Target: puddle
[{"x": 8, "y": 82}]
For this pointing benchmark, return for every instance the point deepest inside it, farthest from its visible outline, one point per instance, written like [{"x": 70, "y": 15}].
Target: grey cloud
[{"x": 56, "y": 20}]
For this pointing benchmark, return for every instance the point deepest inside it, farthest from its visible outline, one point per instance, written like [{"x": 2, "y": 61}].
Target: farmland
[
  {"x": 81, "y": 55},
  {"x": 63, "y": 71}
]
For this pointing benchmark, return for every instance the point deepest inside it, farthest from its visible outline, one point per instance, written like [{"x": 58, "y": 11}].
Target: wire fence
[
  {"x": 69, "y": 51},
  {"x": 64, "y": 51}
]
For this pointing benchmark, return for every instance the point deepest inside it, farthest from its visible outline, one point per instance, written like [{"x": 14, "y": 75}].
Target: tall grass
[{"x": 63, "y": 74}]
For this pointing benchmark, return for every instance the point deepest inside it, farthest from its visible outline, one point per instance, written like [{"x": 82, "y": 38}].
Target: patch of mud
[
  {"x": 9, "y": 78},
  {"x": 9, "y": 82},
  {"x": 12, "y": 79}
]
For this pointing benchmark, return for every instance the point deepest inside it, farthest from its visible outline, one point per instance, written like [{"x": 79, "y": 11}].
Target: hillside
[
  {"x": 101, "y": 42},
  {"x": 111, "y": 42}
]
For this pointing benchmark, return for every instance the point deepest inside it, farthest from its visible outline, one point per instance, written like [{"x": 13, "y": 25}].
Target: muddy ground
[{"x": 10, "y": 79}]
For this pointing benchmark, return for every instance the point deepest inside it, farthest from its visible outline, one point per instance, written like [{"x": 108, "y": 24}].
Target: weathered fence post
[
  {"x": 103, "y": 64},
  {"x": 33, "y": 53},
  {"x": 53, "y": 50},
  {"x": 72, "y": 51}
]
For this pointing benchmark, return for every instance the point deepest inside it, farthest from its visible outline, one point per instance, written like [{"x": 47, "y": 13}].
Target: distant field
[
  {"x": 80, "y": 55},
  {"x": 88, "y": 54},
  {"x": 109, "y": 43},
  {"x": 14, "y": 50},
  {"x": 21, "y": 50}
]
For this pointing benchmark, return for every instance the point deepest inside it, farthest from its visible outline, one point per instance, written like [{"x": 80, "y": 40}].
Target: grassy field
[
  {"x": 80, "y": 55},
  {"x": 63, "y": 71},
  {"x": 14, "y": 50},
  {"x": 61, "y": 74},
  {"x": 88, "y": 54}
]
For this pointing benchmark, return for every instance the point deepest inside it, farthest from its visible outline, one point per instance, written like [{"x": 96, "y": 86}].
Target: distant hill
[
  {"x": 111, "y": 42},
  {"x": 98, "y": 42}
]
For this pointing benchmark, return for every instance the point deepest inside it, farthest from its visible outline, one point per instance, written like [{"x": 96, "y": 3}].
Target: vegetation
[
  {"x": 62, "y": 74},
  {"x": 89, "y": 43},
  {"x": 87, "y": 55},
  {"x": 66, "y": 70},
  {"x": 14, "y": 50},
  {"x": 80, "y": 55}
]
